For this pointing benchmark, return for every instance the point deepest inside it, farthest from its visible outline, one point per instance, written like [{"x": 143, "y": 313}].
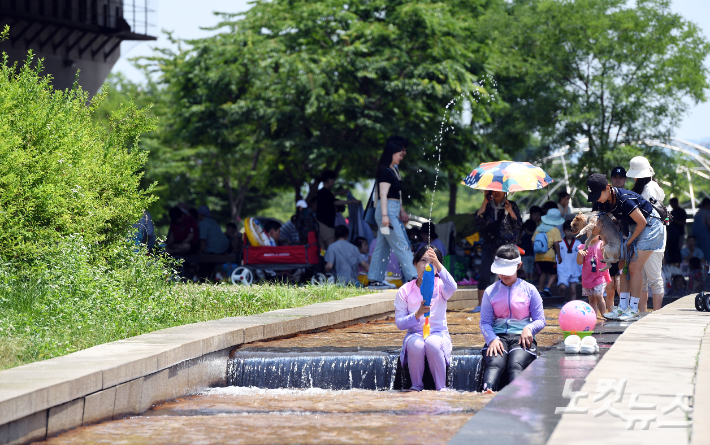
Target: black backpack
[{"x": 666, "y": 217}]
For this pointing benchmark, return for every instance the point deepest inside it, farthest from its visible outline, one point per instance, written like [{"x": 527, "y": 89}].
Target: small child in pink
[{"x": 593, "y": 280}]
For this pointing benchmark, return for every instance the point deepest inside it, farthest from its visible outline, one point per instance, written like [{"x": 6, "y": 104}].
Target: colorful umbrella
[{"x": 507, "y": 176}]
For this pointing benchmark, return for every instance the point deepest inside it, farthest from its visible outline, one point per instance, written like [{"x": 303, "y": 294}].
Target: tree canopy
[
  {"x": 293, "y": 87},
  {"x": 610, "y": 71}
]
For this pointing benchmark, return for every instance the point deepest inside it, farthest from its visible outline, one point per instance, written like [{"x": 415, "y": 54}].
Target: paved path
[
  {"x": 665, "y": 359},
  {"x": 658, "y": 357}
]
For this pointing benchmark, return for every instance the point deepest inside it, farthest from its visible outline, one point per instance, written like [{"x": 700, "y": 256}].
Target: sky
[{"x": 184, "y": 18}]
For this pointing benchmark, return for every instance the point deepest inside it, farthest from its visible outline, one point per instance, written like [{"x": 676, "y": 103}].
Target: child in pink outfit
[
  {"x": 593, "y": 279},
  {"x": 409, "y": 314}
]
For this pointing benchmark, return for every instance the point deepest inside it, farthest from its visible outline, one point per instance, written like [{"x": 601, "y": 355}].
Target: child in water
[
  {"x": 593, "y": 279},
  {"x": 409, "y": 314},
  {"x": 511, "y": 316}
]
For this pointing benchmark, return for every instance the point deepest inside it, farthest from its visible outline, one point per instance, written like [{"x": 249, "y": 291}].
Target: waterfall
[{"x": 374, "y": 370}]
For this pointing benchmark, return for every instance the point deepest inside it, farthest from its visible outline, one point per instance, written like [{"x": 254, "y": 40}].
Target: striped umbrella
[{"x": 507, "y": 176}]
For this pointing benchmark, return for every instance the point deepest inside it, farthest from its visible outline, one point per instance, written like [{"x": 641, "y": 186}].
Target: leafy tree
[
  {"x": 295, "y": 87},
  {"x": 61, "y": 172},
  {"x": 610, "y": 71}
]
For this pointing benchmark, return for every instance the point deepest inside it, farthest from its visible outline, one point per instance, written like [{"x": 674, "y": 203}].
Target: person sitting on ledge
[
  {"x": 409, "y": 314},
  {"x": 511, "y": 315}
]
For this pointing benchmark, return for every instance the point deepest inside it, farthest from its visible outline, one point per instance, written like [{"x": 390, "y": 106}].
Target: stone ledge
[{"x": 127, "y": 377}]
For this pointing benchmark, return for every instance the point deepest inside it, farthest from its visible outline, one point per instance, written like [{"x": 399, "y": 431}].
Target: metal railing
[{"x": 139, "y": 15}]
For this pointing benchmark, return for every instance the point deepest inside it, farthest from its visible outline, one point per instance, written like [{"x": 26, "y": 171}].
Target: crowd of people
[
  {"x": 657, "y": 253},
  {"x": 520, "y": 260}
]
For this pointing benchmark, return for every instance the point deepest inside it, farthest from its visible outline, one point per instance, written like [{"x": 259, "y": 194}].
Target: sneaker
[
  {"x": 476, "y": 310},
  {"x": 546, "y": 293},
  {"x": 378, "y": 285},
  {"x": 588, "y": 346},
  {"x": 613, "y": 313},
  {"x": 572, "y": 344},
  {"x": 629, "y": 315}
]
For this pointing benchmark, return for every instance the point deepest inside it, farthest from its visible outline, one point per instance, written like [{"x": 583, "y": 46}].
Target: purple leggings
[{"x": 433, "y": 349}]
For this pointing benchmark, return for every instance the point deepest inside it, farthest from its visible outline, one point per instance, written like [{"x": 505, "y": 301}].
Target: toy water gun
[{"x": 427, "y": 291}]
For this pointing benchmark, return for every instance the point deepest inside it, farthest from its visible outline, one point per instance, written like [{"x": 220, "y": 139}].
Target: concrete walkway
[
  {"x": 560, "y": 399},
  {"x": 648, "y": 387}
]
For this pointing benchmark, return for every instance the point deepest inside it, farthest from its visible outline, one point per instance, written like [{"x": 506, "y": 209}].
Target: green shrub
[{"x": 61, "y": 171}]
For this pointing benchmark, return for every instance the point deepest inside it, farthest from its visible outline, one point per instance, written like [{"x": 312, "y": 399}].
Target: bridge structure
[
  {"x": 695, "y": 169},
  {"x": 71, "y": 35}
]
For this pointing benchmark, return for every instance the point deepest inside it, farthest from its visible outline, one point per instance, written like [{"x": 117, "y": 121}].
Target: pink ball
[{"x": 577, "y": 316}]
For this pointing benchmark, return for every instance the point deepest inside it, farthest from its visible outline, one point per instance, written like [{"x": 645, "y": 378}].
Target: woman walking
[
  {"x": 645, "y": 235},
  {"x": 642, "y": 172},
  {"x": 390, "y": 217},
  {"x": 499, "y": 222}
]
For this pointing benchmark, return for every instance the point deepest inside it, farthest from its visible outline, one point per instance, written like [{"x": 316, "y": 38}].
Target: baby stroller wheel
[
  {"x": 700, "y": 302},
  {"x": 242, "y": 275},
  {"x": 320, "y": 279}
]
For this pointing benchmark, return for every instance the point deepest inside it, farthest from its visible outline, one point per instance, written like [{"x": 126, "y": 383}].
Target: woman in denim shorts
[{"x": 646, "y": 234}]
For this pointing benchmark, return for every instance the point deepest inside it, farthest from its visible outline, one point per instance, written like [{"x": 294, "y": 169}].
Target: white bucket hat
[
  {"x": 639, "y": 167},
  {"x": 505, "y": 267}
]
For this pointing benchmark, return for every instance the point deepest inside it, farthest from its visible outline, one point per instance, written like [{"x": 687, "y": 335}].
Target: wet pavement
[
  {"x": 314, "y": 416},
  {"x": 523, "y": 412}
]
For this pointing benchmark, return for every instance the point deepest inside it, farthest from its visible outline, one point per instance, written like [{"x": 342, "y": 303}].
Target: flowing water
[
  {"x": 237, "y": 415},
  {"x": 373, "y": 370}
]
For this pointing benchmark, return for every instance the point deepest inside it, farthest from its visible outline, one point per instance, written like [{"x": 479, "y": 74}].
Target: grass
[{"x": 71, "y": 303}]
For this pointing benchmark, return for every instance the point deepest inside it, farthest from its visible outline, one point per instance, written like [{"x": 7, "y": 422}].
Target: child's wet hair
[
  {"x": 694, "y": 263},
  {"x": 420, "y": 254},
  {"x": 567, "y": 225},
  {"x": 508, "y": 252}
]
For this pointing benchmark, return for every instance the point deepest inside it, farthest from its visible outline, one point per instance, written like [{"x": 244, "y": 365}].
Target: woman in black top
[
  {"x": 645, "y": 233},
  {"x": 390, "y": 217}
]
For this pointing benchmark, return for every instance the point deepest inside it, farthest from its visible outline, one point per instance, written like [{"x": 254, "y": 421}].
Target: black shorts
[
  {"x": 546, "y": 267},
  {"x": 614, "y": 269}
]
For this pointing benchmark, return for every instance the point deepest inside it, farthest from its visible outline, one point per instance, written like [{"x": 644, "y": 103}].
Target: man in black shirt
[{"x": 325, "y": 212}]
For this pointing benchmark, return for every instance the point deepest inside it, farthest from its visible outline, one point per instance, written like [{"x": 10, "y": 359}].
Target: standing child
[
  {"x": 568, "y": 271},
  {"x": 593, "y": 280},
  {"x": 546, "y": 242},
  {"x": 526, "y": 243}
]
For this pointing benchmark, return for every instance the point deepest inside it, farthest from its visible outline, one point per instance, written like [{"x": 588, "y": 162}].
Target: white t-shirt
[{"x": 653, "y": 190}]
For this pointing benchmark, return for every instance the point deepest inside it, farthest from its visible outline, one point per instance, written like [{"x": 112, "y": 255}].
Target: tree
[
  {"x": 611, "y": 72},
  {"x": 295, "y": 87}
]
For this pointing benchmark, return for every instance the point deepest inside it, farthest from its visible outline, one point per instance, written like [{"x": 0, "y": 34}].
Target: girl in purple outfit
[
  {"x": 409, "y": 314},
  {"x": 511, "y": 315}
]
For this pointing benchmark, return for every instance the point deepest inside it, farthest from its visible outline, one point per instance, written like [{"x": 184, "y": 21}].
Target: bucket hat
[
  {"x": 639, "y": 167},
  {"x": 553, "y": 217}
]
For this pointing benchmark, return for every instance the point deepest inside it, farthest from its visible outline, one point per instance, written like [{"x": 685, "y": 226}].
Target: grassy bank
[{"x": 71, "y": 303}]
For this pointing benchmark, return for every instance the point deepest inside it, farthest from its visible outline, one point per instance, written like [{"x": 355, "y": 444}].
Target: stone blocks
[
  {"x": 127, "y": 377},
  {"x": 65, "y": 417},
  {"x": 99, "y": 406},
  {"x": 26, "y": 429}
]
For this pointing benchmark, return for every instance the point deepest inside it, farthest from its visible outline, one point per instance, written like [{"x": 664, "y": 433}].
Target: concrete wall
[{"x": 127, "y": 377}]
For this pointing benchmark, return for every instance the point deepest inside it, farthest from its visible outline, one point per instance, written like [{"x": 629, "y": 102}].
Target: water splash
[{"x": 438, "y": 140}]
